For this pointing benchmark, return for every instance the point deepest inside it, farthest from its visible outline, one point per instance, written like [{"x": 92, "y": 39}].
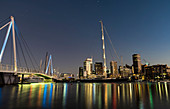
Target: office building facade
[
  {"x": 98, "y": 68},
  {"x": 113, "y": 68},
  {"x": 137, "y": 63},
  {"x": 81, "y": 74},
  {"x": 156, "y": 71},
  {"x": 88, "y": 68}
]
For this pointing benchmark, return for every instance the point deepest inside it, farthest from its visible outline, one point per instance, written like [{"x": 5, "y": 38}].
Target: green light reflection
[{"x": 150, "y": 97}]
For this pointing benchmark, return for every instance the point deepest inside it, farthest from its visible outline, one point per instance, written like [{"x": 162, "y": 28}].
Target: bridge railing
[{"x": 10, "y": 68}]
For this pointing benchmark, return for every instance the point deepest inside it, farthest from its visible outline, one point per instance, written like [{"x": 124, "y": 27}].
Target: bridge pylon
[
  {"x": 11, "y": 25},
  {"x": 49, "y": 66}
]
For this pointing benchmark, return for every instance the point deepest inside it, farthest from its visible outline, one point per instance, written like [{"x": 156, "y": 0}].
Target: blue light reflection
[
  {"x": 44, "y": 96},
  {"x": 50, "y": 96}
]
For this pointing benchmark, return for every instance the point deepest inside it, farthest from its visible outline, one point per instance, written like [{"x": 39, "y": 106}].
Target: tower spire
[{"x": 104, "y": 55}]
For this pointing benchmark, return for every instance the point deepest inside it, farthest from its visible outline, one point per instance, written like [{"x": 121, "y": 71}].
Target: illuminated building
[
  {"x": 113, "y": 68},
  {"x": 121, "y": 70},
  {"x": 156, "y": 71},
  {"x": 80, "y": 72},
  {"x": 137, "y": 63},
  {"x": 168, "y": 72},
  {"x": 143, "y": 68},
  {"x": 98, "y": 68},
  {"x": 66, "y": 75},
  {"x": 125, "y": 71},
  {"x": 88, "y": 66}
]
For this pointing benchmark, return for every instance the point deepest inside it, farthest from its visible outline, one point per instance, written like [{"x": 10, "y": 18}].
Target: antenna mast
[{"x": 104, "y": 56}]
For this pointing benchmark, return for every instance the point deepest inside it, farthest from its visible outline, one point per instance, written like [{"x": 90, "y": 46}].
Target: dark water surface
[{"x": 86, "y": 96}]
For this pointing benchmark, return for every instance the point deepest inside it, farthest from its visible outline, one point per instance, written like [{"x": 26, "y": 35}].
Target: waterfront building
[
  {"x": 113, "y": 69},
  {"x": 80, "y": 72},
  {"x": 66, "y": 75},
  {"x": 98, "y": 68},
  {"x": 144, "y": 69},
  {"x": 121, "y": 70},
  {"x": 125, "y": 71},
  {"x": 137, "y": 63},
  {"x": 88, "y": 66},
  {"x": 156, "y": 72},
  {"x": 168, "y": 72},
  {"x": 84, "y": 74}
]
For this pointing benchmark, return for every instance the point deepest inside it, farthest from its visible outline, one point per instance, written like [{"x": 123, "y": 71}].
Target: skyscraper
[
  {"x": 98, "y": 68},
  {"x": 137, "y": 63},
  {"x": 113, "y": 68},
  {"x": 88, "y": 66},
  {"x": 81, "y": 72}
]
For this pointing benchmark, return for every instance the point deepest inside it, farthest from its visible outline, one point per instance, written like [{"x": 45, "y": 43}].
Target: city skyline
[{"x": 70, "y": 30}]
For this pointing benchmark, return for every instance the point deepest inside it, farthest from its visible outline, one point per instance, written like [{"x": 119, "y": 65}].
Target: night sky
[{"x": 70, "y": 29}]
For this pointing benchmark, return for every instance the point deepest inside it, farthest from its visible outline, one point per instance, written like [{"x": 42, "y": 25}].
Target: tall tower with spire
[{"x": 104, "y": 55}]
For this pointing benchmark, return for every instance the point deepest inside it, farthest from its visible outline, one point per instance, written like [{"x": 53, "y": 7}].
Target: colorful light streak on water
[
  {"x": 105, "y": 97},
  {"x": 118, "y": 94},
  {"x": 94, "y": 93},
  {"x": 114, "y": 97},
  {"x": 127, "y": 93},
  {"x": 89, "y": 96},
  {"x": 65, "y": 95},
  {"x": 123, "y": 90},
  {"x": 0, "y": 96},
  {"x": 157, "y": 89},
  {"x": 30, "y": 95},
  {"x": 100, "y": 97},
  {"x": 150, "y": 97},
  {"x": 39, "y": 96},
  {"x": 140, "y": 96},
  {"x": 86, "y": 96},
  {"x": 160, "y": 93},
  {"x": 50, "y": 94},
  {"x": 166, "y": 91},
  {"x": 44, "y": 96},
  {"x": 130, "y": 85}
]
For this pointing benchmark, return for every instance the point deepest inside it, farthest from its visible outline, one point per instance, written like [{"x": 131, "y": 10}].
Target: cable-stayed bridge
[{"x": 9, "y": 72}]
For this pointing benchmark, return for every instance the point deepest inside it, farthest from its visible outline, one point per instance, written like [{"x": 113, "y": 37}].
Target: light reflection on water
[
  {"x": 86, "y": 95},
  {"x": 0, "y": 96}
]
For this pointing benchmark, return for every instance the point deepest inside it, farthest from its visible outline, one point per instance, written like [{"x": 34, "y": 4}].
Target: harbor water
[{"x": 138, "y": 95}]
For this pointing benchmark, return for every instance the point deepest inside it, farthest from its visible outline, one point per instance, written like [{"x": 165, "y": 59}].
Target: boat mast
[{"x": 104, "y": 56}]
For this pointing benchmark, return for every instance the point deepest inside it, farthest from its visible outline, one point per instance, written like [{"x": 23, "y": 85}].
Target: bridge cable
[
  {"x": 4, "y": 20},
  {"x": 112, "y": 44},
  {"x": 19, "y": 62},
  {"x": 42, "y": 65},
  {"x": 29, "y": 49},
  {"x": 22, "y": 51},
  {"x": 107, "y": 45},
  {"x": 28, "y": 55},
  {"x": 11, "y": 53}
]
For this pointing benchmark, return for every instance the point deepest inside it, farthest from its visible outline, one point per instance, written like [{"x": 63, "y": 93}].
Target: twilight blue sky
[{"x": 70, "y": 29}]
